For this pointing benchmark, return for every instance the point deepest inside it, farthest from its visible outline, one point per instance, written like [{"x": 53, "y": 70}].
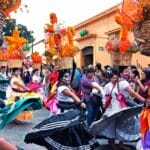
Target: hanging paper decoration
[{"x": 59, "y": 40}]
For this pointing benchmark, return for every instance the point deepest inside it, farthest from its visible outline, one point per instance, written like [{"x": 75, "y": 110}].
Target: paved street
[{"x": 15, "y": 133}]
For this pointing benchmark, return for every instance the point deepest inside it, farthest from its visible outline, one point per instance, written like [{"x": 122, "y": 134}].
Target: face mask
[
  {"x": 126, "y": 76},
  {"x": 67, "y": 78}
]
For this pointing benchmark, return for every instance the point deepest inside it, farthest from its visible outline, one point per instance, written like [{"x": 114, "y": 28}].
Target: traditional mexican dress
[
  {"x": 117, "y": 124},
  {"x": 17, "y": 91},
  {"x": 65, "y": 101},
  {"x": 115, "y": 105},
  {"x": 65, "y": 131}
]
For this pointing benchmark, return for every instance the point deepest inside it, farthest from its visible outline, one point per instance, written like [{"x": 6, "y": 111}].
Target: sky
[{"x": 69, "y": 12}]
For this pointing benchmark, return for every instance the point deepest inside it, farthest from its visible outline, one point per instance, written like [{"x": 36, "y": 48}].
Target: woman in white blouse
[
  {"x": 116, "y": 92},
  {"x": 65, "y": 94}
]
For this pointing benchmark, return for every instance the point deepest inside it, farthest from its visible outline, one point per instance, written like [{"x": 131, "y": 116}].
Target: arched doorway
[{"x": 87, "y": 56}]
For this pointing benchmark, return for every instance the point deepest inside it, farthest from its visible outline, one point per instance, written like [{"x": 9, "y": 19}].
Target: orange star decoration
[
  {"x": 15, "y": 40},
  {"x": 60, "y": 40},
  {"x": 15, "y": 44}
]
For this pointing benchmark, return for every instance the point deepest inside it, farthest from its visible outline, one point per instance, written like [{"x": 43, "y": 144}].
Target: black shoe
[
  {"x": 17, "y": 98},
  {"x": 2, "y": 104}
]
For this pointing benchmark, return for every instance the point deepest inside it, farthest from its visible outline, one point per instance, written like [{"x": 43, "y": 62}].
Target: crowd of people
[{"x": 102, "y": 91}]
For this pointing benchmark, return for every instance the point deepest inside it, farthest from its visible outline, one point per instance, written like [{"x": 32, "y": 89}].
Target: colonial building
[{"x": 92, "y": 35}]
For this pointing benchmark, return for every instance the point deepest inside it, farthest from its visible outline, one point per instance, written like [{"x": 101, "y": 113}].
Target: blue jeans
[{"x": 92, "y": 111}]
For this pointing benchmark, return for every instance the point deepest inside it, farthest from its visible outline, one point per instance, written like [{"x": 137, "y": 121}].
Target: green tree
[{"x": 8, "y": 27}]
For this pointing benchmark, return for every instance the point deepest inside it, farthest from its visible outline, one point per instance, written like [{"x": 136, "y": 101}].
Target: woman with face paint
[
  {"x": 66, "y": 130},
  {"x": 65, "y": 95}
]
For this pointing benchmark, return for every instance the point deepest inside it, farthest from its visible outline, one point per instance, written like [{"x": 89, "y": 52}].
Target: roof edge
[{"x": 94, "y": 18}]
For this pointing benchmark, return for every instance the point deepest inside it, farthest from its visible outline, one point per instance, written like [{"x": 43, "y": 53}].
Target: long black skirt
[
  {"x": 65, "y": 131},
  {"x": 123, "y": 125}
]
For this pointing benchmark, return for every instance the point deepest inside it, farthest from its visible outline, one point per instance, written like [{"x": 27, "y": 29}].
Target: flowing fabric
[
  {"x": 145, "y": 129},
  {"x": 64, "y": 131},
  {"x": 123, "y": 125},
  {"x": 145, "y": 121},
  {"x": 34, "y": 86},
  {"x": 8, "y": 113},
  {"x": 52, "y": 105}
]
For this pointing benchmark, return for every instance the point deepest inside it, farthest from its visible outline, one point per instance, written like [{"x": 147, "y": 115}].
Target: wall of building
[{"x": 100, "y": 27}]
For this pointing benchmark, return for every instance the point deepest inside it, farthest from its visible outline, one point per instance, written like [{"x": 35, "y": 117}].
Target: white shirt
[
  {"x": 62, "y": 97},
  {"x": 36, "y": 78},
  {"x": 115, "y": 104}
]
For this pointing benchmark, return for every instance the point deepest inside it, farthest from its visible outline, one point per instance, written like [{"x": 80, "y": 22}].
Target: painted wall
[{"x": 100, "y": 27}]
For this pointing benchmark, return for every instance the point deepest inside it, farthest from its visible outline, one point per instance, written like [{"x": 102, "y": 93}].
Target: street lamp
[
  {"x": 32, "y": 40},
  {"x": 32, "y": 45}
]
